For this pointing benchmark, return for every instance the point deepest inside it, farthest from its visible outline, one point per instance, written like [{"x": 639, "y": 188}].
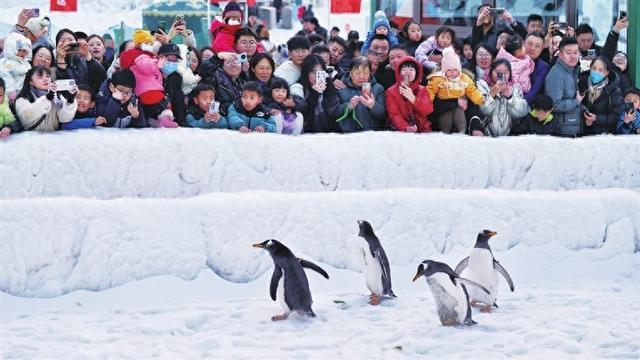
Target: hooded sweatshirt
[{"x": 403, "y": 113}]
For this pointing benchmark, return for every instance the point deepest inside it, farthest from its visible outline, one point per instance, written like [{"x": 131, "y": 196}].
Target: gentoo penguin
[
  {"x": 483, "y": 269},
  {"x": 289, "y": 282},
  {"x": 449, "y": 292},
  {"x": 375, "y": 266}
]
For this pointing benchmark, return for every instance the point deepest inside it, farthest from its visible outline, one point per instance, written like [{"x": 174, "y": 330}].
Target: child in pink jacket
[
  {"x": 521, "y": 64},
  {"x": 223, "y": 33}
]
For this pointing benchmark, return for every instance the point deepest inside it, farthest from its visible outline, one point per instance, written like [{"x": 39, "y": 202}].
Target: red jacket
[{"x": 401, "y": 112}]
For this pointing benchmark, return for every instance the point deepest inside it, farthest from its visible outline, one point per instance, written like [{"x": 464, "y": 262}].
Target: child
[
  {"x": 443, "y": 39},
  {"x": 521, "y": 64},
  {"x": 249, "y": 114},
  {"x": 189, "y": 79},
  {"x": 287, "y": 120},
  {"x": 380, "y": 27},
  {"x": 117, "y": 103},
  {"x": 629, "y": 122},
  {"x": 451, "y": 83},
  {"x": 200, "y": 112},
  {"x": 86, "y": 114},
  {"x": 6, "y": 116},
  {"x": 411, "y": 36},
  {"x": 540, "y": 120},
  {"x": 223, "y": 32},
  {"x": 146, "y": 66},
  {"x": 407, "y": 101},
  {"x": 39, "y": 106},
  {"x": 15, "y": 63}
]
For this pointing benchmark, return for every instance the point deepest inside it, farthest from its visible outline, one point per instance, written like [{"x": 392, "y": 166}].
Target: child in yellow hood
[{"x": 451, "y": 83}]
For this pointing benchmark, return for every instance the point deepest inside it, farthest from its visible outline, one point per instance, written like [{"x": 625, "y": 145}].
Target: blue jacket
[
  {"x": 81, "y": 121},
  {"x": 116, "y": 113},
  {"x": 195, "y": 118},
  {"x": 561, "y": 85},
  {"x": 260, "y": 116},
  {"x": 630, "y": 128},
  {"x": 538, "y": 77}
]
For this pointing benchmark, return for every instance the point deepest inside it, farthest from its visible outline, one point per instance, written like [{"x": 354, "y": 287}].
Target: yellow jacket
[{"x": 444, "y": 88}]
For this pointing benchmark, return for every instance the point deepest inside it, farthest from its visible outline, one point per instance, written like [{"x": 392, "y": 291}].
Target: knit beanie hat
[
  {"x": 142, "y": 37},
  {"x": 381, "y": 20},
  {"x": 450, "y": 60},
  {"x": 232, "y": 7},
  {"x": 35, "y": 26},
  {"x": 166, "y": 115}
]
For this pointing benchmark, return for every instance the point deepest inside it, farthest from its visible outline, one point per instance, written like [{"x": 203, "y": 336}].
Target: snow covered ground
[{"x": 137, "y": 244}]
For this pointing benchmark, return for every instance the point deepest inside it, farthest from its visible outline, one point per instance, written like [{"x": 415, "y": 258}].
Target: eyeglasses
[
  {"x": 124, "y": 93},
  {"x": 245, "y": 43},
  {"x": 300, "y": 51},
  {"x": 483, "y": 55}
]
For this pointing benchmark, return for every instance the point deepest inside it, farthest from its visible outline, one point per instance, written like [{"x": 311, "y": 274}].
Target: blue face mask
[
  {"x": 595, "y": 77},
  {"x": 169, "y": 67}
]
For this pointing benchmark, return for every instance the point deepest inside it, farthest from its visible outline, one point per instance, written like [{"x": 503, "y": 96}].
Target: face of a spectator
[
  {"x": 381, "y": 48},
  {"x": 585, "y": 41},
  {"x": 250, "y": 99},
  {"x": 193, "y": 61},
  {"x": 467, "y": 51},
  {"x": 570, "y": 54},
  {"x": 483, "y": 58},
  {"x": 40, "y": 81},
  {"x": 374, "y": 60},
  {"x": 83, "y": 98},
  {"x": 297, "y": 56},
  {"x": 42, "y": 58},
  {"x": 206, "y": 54},
  {"x": 394, "y": 57},
  {"x": 308, "y": 26},
  {"x": 325, "y": 56},
  {"x": 65, "y": 39},
  {"x": 360, "y": 75},
  {"x": 599, "y": 66},
  {"x": 555, "y": 42},
  {"x": 247, "y": 44},
  {"x": 263, "y": 70},
  {"x": 109, "y": 43},
  {"x": 534, "y": 46},
  {"x": 96, "y": 47},
  {"x": 415, "y": 32},
  {"x": 312, "y": 75},
  {"x": 502, "y": 40},
  {"x": 533, "y": 26},
  {"x": 232, "y": 68},
  {"x": 337, "y": 52}
]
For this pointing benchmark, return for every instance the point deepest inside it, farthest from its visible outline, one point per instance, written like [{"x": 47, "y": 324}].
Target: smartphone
[
  {"x": 591, "y": 53},
  {"x": 214, "y": 107},
  {"x": 74, "y": 46},
  {"x": 562, "y": 26},
  {"x": 366, "y": 89},
  {"x": 500, "y": 76},
  {"x": 321, "y": 77},
  {"x": 133, "y": 100},
  {"x": 406, "y": 79},
  {"x": 496, "y": 11},
  {"x": 33, "y": 13},
  {"x": 162, "y": 25},
  {"x": 180, "y": 19},
  {"x": 330, "y": 69},
  {"x": 65, "y": 85},
  {"x": 628, "y": 107},
  {"x": 241, "y": 58},
  {"x": 623, "y": 14}
]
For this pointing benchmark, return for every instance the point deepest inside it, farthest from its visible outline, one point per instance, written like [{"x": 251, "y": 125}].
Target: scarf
[{"x": 594, "y": 91}]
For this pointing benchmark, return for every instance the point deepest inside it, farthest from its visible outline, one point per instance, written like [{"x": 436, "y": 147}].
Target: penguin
[
  {"x": 483, "y": 269},
  {"x": 375, "y": 265},
  {"x": 449, "y": 292},
  {"x": 289, "y": 283}
]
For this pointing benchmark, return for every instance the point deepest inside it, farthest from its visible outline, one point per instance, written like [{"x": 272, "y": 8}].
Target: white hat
[{"x": 35, "y": 26}]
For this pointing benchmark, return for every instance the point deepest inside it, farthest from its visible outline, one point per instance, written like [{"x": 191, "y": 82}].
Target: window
[
  {"x": 551, "y": 10},
  {"x": 450, "y": 12},
  {"x": 601, "y": 15}
]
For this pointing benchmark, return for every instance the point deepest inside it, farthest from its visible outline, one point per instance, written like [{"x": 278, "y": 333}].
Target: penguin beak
[
  {"x": 258, "y": 246},
  {"x": 493, "y": 233},
  {"x": 418, "y": 274}
]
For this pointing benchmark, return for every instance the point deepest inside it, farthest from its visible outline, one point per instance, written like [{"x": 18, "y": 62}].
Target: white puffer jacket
[
  {"x": 30, "y": 113},
  {"x": 12, "y": 68}
]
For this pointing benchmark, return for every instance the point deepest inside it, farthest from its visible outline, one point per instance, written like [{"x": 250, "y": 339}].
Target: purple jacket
[{"x": 538, "y": 75}]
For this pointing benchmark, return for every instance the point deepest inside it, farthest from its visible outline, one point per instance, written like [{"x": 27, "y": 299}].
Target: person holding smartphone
[
  {"x": 586, "y": 42},
  {"x": 602, "y": 103},
  {"x": 74, "y": 60},
  {"x": 629, "y": 122},
  {"x": 408, "y": 102}
]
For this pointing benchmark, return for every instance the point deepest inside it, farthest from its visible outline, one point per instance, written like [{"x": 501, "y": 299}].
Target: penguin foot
[
  {"x": 280, "y": 317},
  {"x": 375, "y": 299},
  {"x": 486, "y": 309}
]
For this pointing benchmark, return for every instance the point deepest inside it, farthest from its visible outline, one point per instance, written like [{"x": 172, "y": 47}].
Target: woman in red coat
[{"x": 408, "y": 102}]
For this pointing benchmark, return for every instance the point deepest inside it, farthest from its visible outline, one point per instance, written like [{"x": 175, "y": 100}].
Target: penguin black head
[
  {"x": 271, "y": 245},
  {"x": 430, "y": 267},
  {"x": 484, "y": 236},
  {"x": 366, "y": 231}
]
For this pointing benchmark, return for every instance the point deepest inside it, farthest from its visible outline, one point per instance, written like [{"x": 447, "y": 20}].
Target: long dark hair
[
  {"x": 404, "y": 34},
  {"x": 46, "y": 46},
  {"x": 473, "y": 63},
  {"x": 254, "y": 62},
  {"x": 307, "y": 68},
  {"x": 25, "y": 92}
]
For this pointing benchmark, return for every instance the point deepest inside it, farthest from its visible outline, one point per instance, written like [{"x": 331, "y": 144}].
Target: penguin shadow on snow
[{"x": 289, "y": 284}]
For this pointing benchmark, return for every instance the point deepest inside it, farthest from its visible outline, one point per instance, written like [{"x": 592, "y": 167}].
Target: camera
[
  {"x": 591, "y": 53},
  {"x": 180, "y": 19},
  {"x": 214, "y": 107},
  {"x": 496, "y": 11},
  {"x": 562, "y": 26},
  {"x": 65, "y": 85},
  {"x": 74, "y": 46},
  {"x": 241, "y": 58},
  {"x": 628, "y": 107}
]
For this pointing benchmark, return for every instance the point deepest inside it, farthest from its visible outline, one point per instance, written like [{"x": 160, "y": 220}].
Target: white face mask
[
  {"x": 233, "y": 22},
  {"x": 146, "y": 47}
]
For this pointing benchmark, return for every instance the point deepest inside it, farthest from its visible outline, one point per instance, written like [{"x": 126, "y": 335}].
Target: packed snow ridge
[
  {"x": 108, "y": 163},
  {"x": 54, "y": 246}
]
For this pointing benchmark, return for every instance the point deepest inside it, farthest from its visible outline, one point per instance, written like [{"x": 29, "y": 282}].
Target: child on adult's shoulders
[
  {"x": 86, "y": 116},
  {"x": 249, "y": 114},
  {"x": 204, "y": 112}
]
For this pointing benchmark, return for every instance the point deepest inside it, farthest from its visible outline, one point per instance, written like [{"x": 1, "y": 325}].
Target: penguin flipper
[
  {"x": 314, "y": 267},
  {"x": 469, "y": 282},
  {"x": 467, "y": 320},
  {"x": 462, "y": 265},
  {"x": 275, "y": 278},
  {"x": 501, "y": 270}
]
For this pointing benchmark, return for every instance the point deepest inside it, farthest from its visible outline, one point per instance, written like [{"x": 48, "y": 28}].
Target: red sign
[
  {"x": 345, "y": 6},
  {"x": 63, "y": 5}
]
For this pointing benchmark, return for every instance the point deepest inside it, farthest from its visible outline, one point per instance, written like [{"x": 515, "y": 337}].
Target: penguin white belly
[
  {"x": 481, "y": 271},
  {"x": 372, "y": 271},
  {"x": 451, "y": 302},
  {"x": 280, "y": 294}
]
